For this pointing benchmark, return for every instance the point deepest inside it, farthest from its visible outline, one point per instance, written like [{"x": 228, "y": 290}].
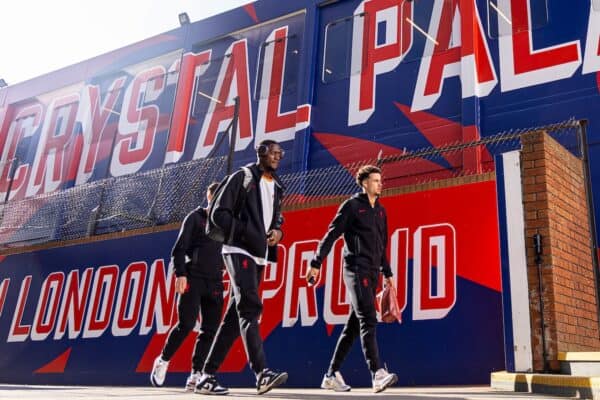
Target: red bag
[{"x": 388, "y": 305}]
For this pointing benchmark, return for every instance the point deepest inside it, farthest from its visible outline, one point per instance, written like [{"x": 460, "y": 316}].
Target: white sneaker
[
  {"x": 335, "y": 382},
  {"x": 192, "y": 381},
  {"x": 383, "y": 379},
  {"x": 159, "y": 371}
]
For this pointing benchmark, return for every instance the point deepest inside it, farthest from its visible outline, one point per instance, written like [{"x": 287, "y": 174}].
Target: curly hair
[{"x": 364, "y": 172}]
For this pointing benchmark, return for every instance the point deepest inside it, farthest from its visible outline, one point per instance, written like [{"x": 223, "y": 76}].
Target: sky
[{"x": 40, "y": 36}]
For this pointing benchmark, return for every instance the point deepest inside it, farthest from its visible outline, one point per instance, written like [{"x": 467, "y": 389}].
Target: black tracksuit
[
  {"x": 365, "y": 236},
  {"x": 249, "y": 234},
  {"x": 198, "y": 258}
]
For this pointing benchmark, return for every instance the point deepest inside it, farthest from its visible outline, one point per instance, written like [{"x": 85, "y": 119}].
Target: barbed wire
[{"x": 166, "y": 195}]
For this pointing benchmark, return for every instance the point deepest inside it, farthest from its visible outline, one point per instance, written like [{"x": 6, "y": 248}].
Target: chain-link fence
[
  {"x": 146, "y": 199},
  {"x": 421, "y": 166},
  {"x": 166, "y": 195}
]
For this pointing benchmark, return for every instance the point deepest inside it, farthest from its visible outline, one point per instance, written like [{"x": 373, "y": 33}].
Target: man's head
[
  {"x": 368, "y": 178},
  {"x": 269, "y": 154},
  {"x": 210, "y": 191}
]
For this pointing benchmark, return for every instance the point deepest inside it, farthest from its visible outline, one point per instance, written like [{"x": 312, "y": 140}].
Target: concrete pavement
[{"x": 25, "y": 392}]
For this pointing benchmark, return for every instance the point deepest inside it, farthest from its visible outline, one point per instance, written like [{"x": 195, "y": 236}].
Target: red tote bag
[{"x": 388, "y": 305}]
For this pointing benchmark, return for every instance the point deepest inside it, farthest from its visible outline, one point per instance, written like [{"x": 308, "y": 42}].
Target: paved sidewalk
[{"x": 23, "y": 392}]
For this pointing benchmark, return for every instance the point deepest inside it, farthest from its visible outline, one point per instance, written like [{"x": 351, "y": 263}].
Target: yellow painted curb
[
  {"x": 579, "y": 356},
  {"x": 591, "y": 382}
]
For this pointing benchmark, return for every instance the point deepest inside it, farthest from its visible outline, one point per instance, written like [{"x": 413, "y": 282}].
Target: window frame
[
  {"x": 348, "y": 48},
  {"x": 533, "y": 27},
  {"x": 257, "y": 96}
]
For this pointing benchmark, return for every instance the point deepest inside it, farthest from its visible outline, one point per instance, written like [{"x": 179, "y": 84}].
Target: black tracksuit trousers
[
  {"x": 204, "y": 296},
  {"x": 242, "y": 315},
  {"x": 361, "y": 287}
]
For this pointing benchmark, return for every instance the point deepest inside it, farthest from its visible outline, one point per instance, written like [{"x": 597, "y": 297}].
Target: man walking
[
  {"x": 199, "y": 281},
  {"x": 363, "y": 222},
  {"x": 249, "y": 214}
]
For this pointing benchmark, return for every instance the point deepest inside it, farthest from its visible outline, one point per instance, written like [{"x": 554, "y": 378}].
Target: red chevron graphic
[
  {"x": 249, "y": 8},
  {"x": 236, "y": 358},
  {"x": 442, "y": 132},
  {"x": 56, "y": 366},
  {"x": 347, "y": 150}
]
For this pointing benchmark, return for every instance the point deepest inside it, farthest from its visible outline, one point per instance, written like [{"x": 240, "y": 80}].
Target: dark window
[
  {"x": 501, "y": 21},
  {"x": 291, "y": 63},
  {"x": 205, "y": 84},
  {"x": 428, "y": 40},
  {"x": 337, "y": 59}
]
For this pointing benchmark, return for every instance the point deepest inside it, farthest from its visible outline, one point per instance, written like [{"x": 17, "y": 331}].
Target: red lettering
[
  {"x": 131, "y": 288},
  {"x": 469, "y": 59},
  {"x": 435, "y": 247},
  {"x": 192, "y": 66},
  {"x": 138, "y": 122},
  {"x": 24, "y": 125},
  {"x": 299, "y": 297},
  {"x": 98, "y": 318},
  {"x": 159, "y": 302},
  {"x": 376, "y": 59},
  {"x": 3, "y": 292},
  {"x": 271, "y": 123},
  {"x": 234, "y": 69},
  {"x": 73, "y": 304},
  {"x": 522, "y": 66},
  {"x": 94, "y": 115},
  {"x": 18, "y": 331},
  {"x": 47, "y": 308},
  {"x": 53, "y": 155}
]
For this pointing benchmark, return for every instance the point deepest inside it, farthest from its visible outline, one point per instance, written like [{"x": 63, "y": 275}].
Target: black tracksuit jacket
[
  {"x": 194, "y": 254},
  {"x": 248, "y": 227},
  {"x": 365, "y": 235}
]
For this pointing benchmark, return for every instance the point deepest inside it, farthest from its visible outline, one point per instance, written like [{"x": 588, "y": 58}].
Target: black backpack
[{"x": 214, "y": 231}]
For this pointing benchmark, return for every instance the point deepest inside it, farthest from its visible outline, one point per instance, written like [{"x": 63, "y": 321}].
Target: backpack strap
[
  {"x": 247, "y": 177},
  {"x": 243, "y": 193},
  {"x": 241, "y": 198}
]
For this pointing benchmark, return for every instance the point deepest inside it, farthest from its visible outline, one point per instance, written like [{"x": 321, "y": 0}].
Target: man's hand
[
  {"x": 274, "y": 236},
  {"x": 181, "y": 284},
  {"x": 314, "y": 274},
  {"x": 389, "y": 281}
]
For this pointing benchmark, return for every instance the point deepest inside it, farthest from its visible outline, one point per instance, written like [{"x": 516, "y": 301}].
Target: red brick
[{"x": 555, "y": 205}]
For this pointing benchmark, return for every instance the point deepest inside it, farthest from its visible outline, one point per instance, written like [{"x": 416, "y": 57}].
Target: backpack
[{"x": 214, "y": 231}]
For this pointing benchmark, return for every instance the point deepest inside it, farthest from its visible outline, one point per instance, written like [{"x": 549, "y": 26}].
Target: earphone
[{"x": 262, "y": 150}]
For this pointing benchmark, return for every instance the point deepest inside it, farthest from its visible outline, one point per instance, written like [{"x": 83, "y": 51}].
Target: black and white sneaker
[
  {"x": 267, "y": 380},
  {"x": 208, "y": 385}
]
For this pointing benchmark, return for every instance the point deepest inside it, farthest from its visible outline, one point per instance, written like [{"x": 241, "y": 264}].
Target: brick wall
[{"x": 555, "y": 206}]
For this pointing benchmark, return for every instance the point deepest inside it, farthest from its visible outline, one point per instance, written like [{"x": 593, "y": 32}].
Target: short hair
[
  {"x": 212, "y": 188},
  {"x": 364, "y": 172},
  {"x": 263, "y": 146}
]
